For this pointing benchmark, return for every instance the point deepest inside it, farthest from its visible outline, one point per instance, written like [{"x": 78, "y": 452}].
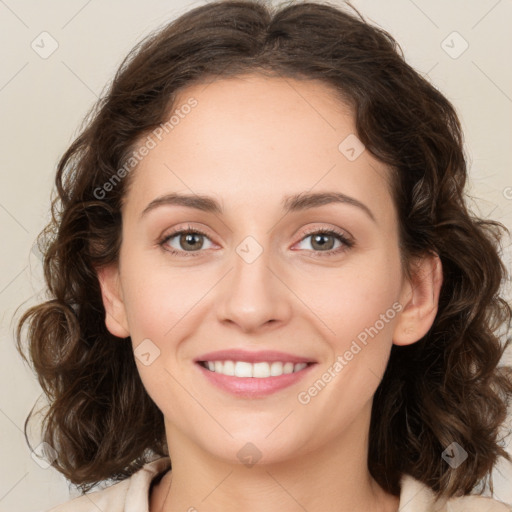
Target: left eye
[{"x": 324, "y": 240}]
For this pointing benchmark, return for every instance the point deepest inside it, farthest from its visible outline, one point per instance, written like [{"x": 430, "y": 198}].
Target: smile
[{"x": 260, "y": 370}]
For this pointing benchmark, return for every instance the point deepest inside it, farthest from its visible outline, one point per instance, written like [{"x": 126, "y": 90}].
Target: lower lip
[{"x": 252, "y": 387}]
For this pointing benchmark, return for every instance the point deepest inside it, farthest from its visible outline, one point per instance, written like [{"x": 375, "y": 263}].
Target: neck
[{"x": 334, "y": 477}]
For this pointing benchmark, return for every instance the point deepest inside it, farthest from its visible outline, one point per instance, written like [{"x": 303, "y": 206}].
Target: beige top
[{"x": 132, "y": 495}]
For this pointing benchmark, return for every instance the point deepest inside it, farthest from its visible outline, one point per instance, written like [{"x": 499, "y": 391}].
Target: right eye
[{"x": 186, "y": 238}]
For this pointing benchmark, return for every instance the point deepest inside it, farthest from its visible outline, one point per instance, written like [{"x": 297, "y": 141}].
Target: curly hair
[{"x": 447, "y": 387}]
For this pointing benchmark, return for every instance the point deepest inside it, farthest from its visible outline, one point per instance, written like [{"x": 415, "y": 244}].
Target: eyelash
[{"x": 347, "y": 243}]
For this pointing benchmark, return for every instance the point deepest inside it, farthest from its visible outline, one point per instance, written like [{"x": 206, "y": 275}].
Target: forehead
[{"x": 254, "y": 139}]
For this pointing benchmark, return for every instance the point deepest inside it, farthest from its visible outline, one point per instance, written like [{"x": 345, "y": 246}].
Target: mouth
[
  {"x": 260, "y": 370},
  {"x": 253, "y": 374}
]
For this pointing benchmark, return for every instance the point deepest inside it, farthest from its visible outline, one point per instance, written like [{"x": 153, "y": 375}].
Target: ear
[
  {"x": 419, "y": 298},
  {"x": 115, "y": 317}
]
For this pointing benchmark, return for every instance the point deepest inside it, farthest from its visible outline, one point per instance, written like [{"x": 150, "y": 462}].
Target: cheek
[
  {"x": 358, "y": 309},
  {"x": 157, "y": 298},
  {"x": 358, "y": 297}
]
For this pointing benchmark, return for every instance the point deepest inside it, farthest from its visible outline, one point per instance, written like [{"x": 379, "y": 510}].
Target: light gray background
[{"x": 43, "y": 101}]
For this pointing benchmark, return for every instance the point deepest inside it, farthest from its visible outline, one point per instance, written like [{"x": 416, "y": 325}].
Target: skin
[{"x": 250, "y": 141}]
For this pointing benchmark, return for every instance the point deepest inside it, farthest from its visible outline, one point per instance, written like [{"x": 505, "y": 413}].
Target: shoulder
[
  {"x": 112, "y": 498},
  {"x": 418, "y": 497},
  {"x": 477, "y": 504},
  {"x": 133, "y": 490}
]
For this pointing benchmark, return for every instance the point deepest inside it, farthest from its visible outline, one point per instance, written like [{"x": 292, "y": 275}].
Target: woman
[{"x": 264, "y": 272}]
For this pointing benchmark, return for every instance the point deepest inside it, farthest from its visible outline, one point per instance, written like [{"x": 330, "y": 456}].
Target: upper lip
[{"x": 252, "y": 357}]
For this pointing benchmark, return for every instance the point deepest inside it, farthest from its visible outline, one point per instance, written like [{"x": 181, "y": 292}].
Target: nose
[{"x": 253, "y": 296}]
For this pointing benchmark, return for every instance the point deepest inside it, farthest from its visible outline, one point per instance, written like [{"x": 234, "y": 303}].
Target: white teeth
[
  {"x": 260, "y": 370},
  {"x": 228, "y": 368},
  {"x": 288, "y": 367},
  {"x": 257, "y": 370},
  {"x": 242, "y": 369},
  {"x": 276, "y": 369},
  {"x": 299, "y": 366}
]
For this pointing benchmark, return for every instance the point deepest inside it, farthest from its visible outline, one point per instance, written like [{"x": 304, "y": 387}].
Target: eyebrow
[{"x": 293, "y": 203}]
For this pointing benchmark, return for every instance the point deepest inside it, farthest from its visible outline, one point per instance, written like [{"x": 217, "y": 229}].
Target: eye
[
  {"x": 189, "y": 241},
  {"x": 323, "y": 241}
]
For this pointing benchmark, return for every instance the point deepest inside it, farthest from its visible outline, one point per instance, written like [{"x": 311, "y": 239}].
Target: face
[{"x": 258, "y": 272}]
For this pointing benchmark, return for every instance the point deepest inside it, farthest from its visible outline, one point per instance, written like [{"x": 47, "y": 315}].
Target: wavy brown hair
[{"x": 448, "y": 387}]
